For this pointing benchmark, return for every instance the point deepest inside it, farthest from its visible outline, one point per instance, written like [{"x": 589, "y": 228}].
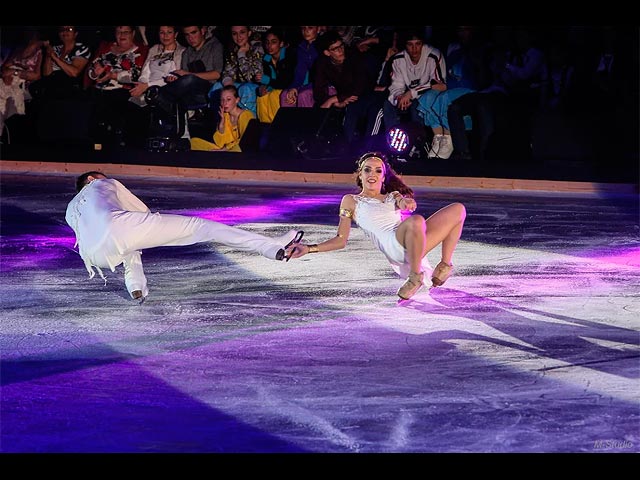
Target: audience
[{"x": 499, "y": 90}]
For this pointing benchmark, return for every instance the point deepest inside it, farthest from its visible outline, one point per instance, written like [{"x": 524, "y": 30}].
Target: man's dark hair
[
  {"x": 81, "y": 181},
  {"x": 410, "y": 33},
  {"x": 326, "y": 40}
]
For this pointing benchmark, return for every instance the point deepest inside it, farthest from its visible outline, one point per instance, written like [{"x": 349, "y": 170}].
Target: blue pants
[{"x": 433, "y": 106}]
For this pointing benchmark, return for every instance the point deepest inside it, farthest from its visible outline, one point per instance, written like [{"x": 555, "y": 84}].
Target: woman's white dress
[{"x": 379, "y": 220}]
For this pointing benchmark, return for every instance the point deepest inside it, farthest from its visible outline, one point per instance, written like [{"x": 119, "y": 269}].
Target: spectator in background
[
  {"x": 415, "y": 70},
  {"x": 346, "y": 71},
  {"x": 258, "y": 33},
  {"x": 418, "y": 77},
  {"x": 243, "y": 64},
  {"x": 114, "y": 69},
  {"x": 466, "y": 60},
  {"x": 22, "y": 67},
  {"x": 146, "y": 34},
  {"x": 466, "y": 73},
  {"x": 504, "y": 109},
  {"x": 62, "y": 66},
  {"x": 300, "y": 92},
  {"x": 231, "y": 127},
  {"x": 386, "y": 70},
  {"x": 559, "y": 83},
  {"x": 373, "y": 41},
  {"x": 200, "y": 68},
  {"x": 611, "y": 97},
  {"x": 163, "y": 59},
  {"x": 279, "y": 63}
]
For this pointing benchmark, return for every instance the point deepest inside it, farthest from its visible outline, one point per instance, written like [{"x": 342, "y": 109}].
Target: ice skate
[
  {"x": 137, "y": 295},
  {"x": 414, "y": 282},
  {"x": 441, "y": 273},
  {"x": 292, "y": 237}
]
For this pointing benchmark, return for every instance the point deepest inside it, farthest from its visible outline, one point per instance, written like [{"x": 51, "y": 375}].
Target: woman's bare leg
[
  {"x": 420, "y": 236},
  {"x": 413, "y": 237},
  {"x": 445, "y": 226}
]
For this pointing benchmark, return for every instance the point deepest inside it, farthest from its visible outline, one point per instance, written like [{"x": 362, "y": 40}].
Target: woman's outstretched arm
[{"x": 347, "y": 207}]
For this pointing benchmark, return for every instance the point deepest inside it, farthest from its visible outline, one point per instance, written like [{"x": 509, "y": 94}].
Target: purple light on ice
[
  {"x": 34, "y": 251},
  {"x": 271, "y": 210},
  {"x": 627, "y": 255}
]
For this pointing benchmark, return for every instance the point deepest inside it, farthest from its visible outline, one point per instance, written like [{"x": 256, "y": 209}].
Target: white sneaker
[
  {"x": 446, "y": 147},
  {"x": 435, "y": 146}
]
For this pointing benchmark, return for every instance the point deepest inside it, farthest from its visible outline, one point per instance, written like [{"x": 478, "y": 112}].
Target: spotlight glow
[{"x": 398, "y": 139}]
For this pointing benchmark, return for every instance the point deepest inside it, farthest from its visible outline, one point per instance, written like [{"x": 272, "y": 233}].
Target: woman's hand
[
  {"x": 292, "y": 96},
  {"x": 297, "y": 250},
  {"x": 407, "y": 203}
]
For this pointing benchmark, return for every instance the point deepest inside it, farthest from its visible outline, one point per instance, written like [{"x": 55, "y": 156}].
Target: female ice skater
[
  {"x": 378, "y": 211},
  {"x": 112, "y": 226}
]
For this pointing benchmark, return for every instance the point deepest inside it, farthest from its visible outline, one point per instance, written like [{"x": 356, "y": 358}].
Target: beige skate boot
[
  {"x": 441, "y": 273},
  {"x": 414, "y": 282}
]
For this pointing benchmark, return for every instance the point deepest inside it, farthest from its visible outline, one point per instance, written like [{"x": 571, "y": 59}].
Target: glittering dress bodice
[{"x": 378, "y": 219}]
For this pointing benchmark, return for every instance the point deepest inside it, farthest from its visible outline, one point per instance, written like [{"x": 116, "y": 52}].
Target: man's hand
[
  {"x": 439, "y": 86},
  {"x": 404, "y": 100}
]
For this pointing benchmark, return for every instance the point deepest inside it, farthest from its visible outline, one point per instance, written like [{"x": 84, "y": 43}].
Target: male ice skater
[{"x": 112, "y": 226}]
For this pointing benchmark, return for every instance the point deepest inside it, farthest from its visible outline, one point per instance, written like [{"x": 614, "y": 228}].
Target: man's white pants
[{"x": 135, "y": 231}]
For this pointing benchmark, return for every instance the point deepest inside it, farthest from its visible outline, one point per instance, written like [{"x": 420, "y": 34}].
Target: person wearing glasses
[
  {"x": 346, "y": 70},
  {"x": 62, "y": 66},
  {"x": 384, "y": 209}
]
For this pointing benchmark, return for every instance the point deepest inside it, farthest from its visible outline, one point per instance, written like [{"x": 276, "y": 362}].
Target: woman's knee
[
  {"x": 460, "y": 209},
  {"x": 305, "y": 98},
  {"x": 416, "y": 223}
]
